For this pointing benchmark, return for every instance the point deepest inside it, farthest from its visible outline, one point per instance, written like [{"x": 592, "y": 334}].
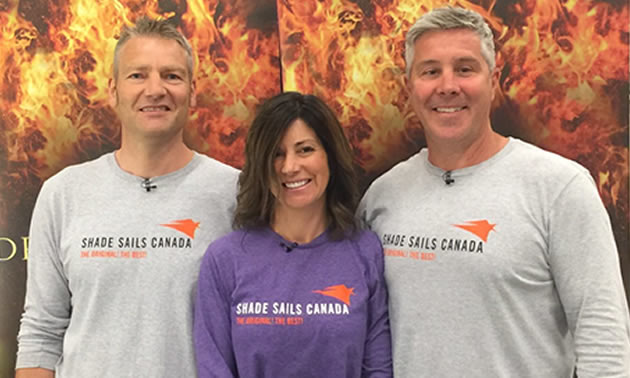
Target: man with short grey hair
[
  {"x": 499, "y": 256},
  {"x": 116, "y": 243}
]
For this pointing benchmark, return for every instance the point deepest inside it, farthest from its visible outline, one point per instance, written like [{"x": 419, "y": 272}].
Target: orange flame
[
  {"x": 567, "y": 71},
  {"x": 56, "y": 58},
  {"x": 238, "y": 67},
  {"x": 564, "y": 78}
]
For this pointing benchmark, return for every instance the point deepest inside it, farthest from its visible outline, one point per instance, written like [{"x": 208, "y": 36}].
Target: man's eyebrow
[
  {"x": 427, "y": 62},
  {"x": 146, "y": 67},
  {"x": 462, "y": 59},
  {"x": 137, "y": 67},
  {"x": 174, "y": 69},
  {"x": 467, "y": 59}
]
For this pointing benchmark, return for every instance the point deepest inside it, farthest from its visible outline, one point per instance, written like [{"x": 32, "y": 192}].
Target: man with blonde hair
[{"x": 116, "y": 243}]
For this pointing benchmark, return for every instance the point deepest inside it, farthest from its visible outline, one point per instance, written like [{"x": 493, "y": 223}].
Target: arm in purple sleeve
[
  {"x": 377, "y": 358},
  {"x": 212, "y": 323}
]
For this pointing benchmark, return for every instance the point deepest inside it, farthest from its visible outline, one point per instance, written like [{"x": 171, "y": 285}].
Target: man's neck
[
  {"x": 148, "y": 161},
  {"x": 457, "y": 155}
]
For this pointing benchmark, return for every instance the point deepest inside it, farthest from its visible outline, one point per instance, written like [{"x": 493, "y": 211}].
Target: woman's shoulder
[
  {"x": 367, "y": 245},
  {"x": 225, "y": 246},
  {"x": 366, "y": 237}
]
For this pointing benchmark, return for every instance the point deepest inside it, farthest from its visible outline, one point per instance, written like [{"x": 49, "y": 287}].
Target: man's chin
[{"x": 156, "y": 132}]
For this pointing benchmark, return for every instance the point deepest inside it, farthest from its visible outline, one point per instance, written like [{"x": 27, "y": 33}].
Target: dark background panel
[
  {"x": 55, "y": 61},
  {"x": 564, "y": 86}
]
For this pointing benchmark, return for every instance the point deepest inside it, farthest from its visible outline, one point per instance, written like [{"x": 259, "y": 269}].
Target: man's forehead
[
  {"x": 141, "y": 44},
  {"x": 433, "y": 37},
  {"x": 455, "y": 59},
  {"x": 141, "y": 51},
  {"x": 448, "y": 32},
  {"x": 457, "y": 44}
]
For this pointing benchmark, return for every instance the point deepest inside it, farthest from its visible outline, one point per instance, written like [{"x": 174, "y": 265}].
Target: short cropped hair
[
  {"x": 447, "y": 18},
  {"x": 148, "y": 27},
  {"x": 255, "y": 201}
]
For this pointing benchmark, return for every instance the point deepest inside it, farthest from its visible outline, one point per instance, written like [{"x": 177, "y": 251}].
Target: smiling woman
[
  {"x": 301, "y": 176},
  {"x": 298, "y": 290},
  {"x": 297, "y": 137}
]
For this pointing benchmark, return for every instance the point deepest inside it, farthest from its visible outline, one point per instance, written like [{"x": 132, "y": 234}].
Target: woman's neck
[{"x": 299, "y": 226}]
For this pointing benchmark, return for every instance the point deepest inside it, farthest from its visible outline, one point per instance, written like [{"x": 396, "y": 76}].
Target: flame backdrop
[{"x": 564, "y": 86}]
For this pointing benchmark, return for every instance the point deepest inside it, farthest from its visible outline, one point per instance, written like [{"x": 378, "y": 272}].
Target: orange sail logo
[
  {"x": 481, "y": 228},
  {"x": 186, "y": 226},
  {"x": 341, "y": 292}
]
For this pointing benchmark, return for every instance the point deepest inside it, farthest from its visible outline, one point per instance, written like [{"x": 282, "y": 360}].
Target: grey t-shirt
[
  {"x": 112, "y": 268},
  {"x": 509, "y": 271}
]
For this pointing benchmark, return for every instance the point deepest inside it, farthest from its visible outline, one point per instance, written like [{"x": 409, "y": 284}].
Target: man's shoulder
[
  {"x": 86, "y": 170},
  {"x": 215, "y": 167},
  {"x": 545, "y": 162},
  {"x": 216, "y": 177},
  {"x": 402, "y": 171}
]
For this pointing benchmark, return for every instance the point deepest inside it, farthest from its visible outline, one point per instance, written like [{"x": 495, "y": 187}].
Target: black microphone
[
  {"x": 147, "y": 185},
  {"x": 288, "y": 247},
  {"x": 448, "y": 180}
]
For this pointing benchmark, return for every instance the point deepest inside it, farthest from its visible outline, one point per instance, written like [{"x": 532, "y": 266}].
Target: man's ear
[
  {"x": 495, "y": 75},
  {"x": 112, "y": 95},
  {"x": 407, "y": 81},
  {"x": 193, "y": 94}
]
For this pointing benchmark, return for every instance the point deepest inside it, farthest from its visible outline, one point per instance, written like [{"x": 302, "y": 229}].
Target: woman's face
[{"x": 301, "y": 171}]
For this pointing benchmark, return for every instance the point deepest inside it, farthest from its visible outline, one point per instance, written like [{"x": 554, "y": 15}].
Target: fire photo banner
[{"x": 563, "y": 86}]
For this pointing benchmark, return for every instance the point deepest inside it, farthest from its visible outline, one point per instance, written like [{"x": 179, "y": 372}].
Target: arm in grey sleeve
[
  {"x": 365, "y": 211},
  {"x": 585, "y": 266},
  {"x": 47, "y": 306}
]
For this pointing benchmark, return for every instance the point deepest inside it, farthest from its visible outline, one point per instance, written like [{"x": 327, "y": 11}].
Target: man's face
[
  {"x": 451, "y": 87},
  {"x": 153, "y": 90}
]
